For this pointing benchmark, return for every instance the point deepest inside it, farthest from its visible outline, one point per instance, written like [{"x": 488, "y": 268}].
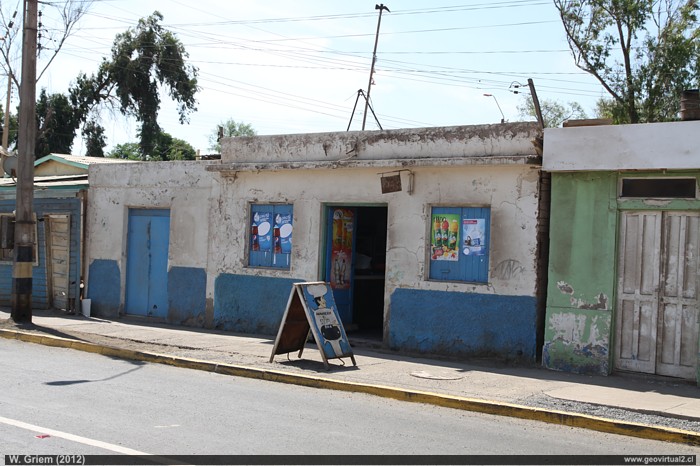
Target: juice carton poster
[
  {"x": 341, "y": 249},
  {"x": 444, "y": 243},
  {"x": 474, "y": 233}
]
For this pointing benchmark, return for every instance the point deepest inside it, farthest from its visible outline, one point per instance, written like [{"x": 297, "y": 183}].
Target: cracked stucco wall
[
  {"x": 497, "y": 318},
  {"x": 505, "y": 140},
  {"x": 509, "y": 190},
  {"x": 184, "y": 188}
]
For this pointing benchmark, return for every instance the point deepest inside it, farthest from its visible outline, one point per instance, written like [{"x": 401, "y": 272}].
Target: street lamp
[{"x": 503, "y": 118}]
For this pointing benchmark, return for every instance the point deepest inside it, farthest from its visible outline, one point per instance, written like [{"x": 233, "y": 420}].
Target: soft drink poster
[{"x": 445, "y": 233}]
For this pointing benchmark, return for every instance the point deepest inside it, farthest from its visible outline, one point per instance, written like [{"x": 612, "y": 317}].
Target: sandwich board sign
[{"x": 311, "y": 309}]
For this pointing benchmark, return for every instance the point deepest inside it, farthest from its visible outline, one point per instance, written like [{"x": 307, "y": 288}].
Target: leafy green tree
[
  {"x": 95, "y": 140},
  {"x": 14, "y": 126},
  {"x": 127, "y": 151},
  {"x": 553, "y": 112},
  {"x": 56, "y": 122},
  {"x": 643, "y": 52},
  {"x": 228, "y": 129},
  {"x": 181, "y": 150},
  {"x": 170, "y": 148},
  {"x": 145, "y": 60},
  {"x": 166, "y": 148}
]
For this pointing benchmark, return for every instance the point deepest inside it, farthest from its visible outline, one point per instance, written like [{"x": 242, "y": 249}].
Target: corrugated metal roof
[
  {"x": 46, "y": 181},
  {"x": 80, "y": 160}
]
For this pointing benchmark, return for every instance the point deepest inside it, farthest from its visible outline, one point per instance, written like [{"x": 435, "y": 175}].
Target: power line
[{"x": 272, "y": 49}]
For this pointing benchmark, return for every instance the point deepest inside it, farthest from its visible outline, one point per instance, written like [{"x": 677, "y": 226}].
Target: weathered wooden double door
[{"x": 657, "y": 293}]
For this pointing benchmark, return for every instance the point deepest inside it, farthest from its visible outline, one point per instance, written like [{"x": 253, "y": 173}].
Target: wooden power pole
[{"x": 24, "y": 216}]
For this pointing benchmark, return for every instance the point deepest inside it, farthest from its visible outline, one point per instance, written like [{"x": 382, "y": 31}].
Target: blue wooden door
[{"x": 147, "y": 262}]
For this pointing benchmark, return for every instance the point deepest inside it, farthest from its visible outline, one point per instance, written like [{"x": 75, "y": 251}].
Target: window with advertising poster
[
  {"x": 459, "y": 244},
  {"x": 271, "y": 227}
]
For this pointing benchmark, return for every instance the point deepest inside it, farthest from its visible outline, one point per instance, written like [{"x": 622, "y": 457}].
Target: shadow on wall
[
  {"x": 104, "y": 288},
  {"x": 464, "y": 325},
  {"x": 250, "y": 304}
]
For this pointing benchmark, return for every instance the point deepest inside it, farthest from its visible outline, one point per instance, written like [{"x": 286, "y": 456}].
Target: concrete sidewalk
[{"x": 477, "y": 386}]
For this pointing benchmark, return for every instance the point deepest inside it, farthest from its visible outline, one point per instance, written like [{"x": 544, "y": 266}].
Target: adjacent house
[
  {"x": 60, "y": 199},
  {"x": 625, "y": 241},
  {"x": 428, "y": 237}
]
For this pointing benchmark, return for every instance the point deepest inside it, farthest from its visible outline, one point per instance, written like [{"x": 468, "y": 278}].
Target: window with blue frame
[
  {"x": 459, "y": 244},
  {"x": 270, "y": 242}
]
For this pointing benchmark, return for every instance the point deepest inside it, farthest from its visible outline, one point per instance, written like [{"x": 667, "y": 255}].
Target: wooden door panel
[
  {"x": 677, "y": 344},
  {"x": 638, "y": 285}
]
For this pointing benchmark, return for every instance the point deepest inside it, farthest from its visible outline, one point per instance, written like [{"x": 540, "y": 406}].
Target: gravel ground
[{"x": 547, "y": 402}]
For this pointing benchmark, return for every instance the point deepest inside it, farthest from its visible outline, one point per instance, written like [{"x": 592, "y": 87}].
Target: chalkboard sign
[{"x": 311, "y": 308}]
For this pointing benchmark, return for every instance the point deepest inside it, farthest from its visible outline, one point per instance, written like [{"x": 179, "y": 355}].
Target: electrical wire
[{"x": 290, "y": 53}]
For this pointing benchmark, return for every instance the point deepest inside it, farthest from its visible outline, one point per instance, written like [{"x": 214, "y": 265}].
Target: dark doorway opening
[
  {"x": 355, "y": 267},
  {"x": 370, "y": 270}
]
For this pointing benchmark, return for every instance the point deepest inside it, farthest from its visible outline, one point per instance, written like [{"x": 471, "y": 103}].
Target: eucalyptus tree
[
  {"x": 56, "y": 124},
  {"x": 145, "y": 60},
  {"x": 643, "y": 52}
]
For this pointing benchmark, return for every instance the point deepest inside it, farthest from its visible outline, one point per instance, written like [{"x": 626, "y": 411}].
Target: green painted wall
[{"x": 582, "y": 280}]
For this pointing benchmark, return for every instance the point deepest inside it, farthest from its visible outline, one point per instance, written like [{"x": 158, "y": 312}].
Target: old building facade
[{"x": 428, "y": 237}]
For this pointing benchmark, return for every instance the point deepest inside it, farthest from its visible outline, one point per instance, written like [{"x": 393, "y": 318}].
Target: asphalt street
[{"x": 57, "y": 400}]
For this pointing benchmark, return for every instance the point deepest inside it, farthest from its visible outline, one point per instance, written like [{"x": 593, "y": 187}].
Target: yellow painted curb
[{"x": 498, "y": 408}]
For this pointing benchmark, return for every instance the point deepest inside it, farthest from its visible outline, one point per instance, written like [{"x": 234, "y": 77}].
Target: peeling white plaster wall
[
  {"x": 510, "y": 191},
  {"x": 183, "y": 187},
  {"x": 510, "y": 139},
  {"x": 571, "y": 328}
]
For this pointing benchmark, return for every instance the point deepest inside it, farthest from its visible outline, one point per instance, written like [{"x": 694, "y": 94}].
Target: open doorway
[{"x": 355, "y": 266}]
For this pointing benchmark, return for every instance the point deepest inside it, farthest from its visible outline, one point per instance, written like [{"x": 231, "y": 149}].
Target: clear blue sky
[{"x": 296, "y": 66}]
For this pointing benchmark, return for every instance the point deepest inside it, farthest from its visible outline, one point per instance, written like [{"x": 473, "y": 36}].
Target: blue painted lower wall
[
  {"x": 41, "y": 291},
  {"x": 463, "y": 324},
  {"x": 187, "y": 296},
  {"x": 431, "y": 322},
  {"x": 250, "y": 304},
  {"x": 104, "y": 288}
]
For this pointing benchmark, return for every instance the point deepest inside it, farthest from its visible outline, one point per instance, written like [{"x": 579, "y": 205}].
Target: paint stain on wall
[
  {"x": 565, "y": 288},
  {"x": 601, "y": 302},
  {"x": 578, "y": 329}
]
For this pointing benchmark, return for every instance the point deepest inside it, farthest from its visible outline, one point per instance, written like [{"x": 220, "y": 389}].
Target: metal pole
[
  {"x": 6, "y": 123},
  {"x": 24, "y": 217},
  {"x": 503, "y": 117},
  {"x": 381, "y": 8}
]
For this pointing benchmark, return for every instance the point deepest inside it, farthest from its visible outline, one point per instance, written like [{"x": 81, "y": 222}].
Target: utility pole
[
  {"x": 536, "y": 103},
  {"x": 381, "y": 8},
  {"x": 24, "y": 216}
]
